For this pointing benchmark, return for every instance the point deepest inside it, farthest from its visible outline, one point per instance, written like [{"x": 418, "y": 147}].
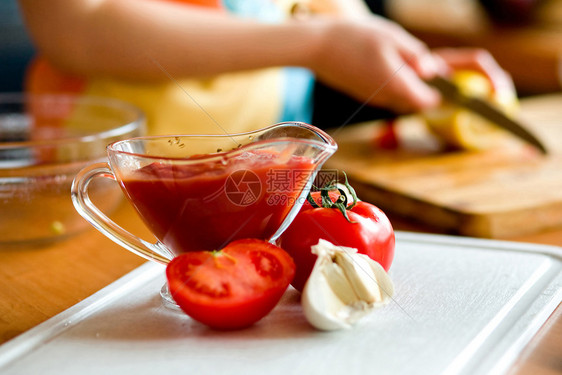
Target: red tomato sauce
[{"x": 207, "y": 205}]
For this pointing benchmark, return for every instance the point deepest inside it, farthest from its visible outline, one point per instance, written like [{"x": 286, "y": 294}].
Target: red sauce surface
[{"x": 207, "y": 205}]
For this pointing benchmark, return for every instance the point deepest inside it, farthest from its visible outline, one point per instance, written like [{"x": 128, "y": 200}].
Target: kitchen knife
[{"x": 450, "y": 92}]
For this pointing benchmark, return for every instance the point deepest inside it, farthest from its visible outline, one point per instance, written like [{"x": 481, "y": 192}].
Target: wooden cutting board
[{"x": 495, "y": 194}]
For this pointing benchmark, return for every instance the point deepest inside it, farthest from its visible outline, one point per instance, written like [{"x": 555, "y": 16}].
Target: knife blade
[{"x": 450, "y": 92}]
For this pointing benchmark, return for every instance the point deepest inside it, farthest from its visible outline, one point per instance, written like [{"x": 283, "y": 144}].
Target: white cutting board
[{"x": 462, "y": 306}]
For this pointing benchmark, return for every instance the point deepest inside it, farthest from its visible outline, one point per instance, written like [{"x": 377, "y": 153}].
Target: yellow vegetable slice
[{"x": 463, "y": 129}]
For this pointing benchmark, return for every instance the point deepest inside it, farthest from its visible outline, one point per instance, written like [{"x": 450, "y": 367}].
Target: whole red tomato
[
  {"x": 231, "y": 288},
  {"x": 365, "y": 228}
]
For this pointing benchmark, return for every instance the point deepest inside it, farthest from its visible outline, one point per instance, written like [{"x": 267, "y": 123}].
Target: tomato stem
[
  {"x": 341, "y": 203},
  {"x": 219, "y": 253}
]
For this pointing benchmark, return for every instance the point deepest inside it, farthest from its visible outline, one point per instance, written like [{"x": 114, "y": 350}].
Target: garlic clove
[
  {"x": 322, "y": 307},
  {"x": 384, "y": 282},
  {"x": 360, "y": 275},
  {"x": 343, "y": 287},
  {"x": 339, "y": 283}
]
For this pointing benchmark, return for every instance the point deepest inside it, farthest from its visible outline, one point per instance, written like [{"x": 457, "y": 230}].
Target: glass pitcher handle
[{"x": 81, "y": 200}]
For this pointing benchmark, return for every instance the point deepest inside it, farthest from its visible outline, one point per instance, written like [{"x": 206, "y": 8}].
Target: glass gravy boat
[{"x": 200, "y": 192}]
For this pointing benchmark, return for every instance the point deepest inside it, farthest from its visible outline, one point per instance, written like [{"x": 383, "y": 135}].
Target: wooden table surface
[{"x": 39, "y": 283}]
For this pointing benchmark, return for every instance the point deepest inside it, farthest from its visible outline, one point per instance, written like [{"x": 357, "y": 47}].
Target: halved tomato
[{"x": 231, "y": 288}]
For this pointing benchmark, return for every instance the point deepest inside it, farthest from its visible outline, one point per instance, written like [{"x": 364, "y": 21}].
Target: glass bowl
[{"x": 44, "y": 141}]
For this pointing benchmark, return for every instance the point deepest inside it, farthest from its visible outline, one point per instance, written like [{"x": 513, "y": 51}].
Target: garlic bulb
[{"x": 343, "y": 287}]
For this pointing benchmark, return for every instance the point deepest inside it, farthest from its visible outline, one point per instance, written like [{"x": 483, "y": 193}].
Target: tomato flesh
[{"x": 232, "y": 288}]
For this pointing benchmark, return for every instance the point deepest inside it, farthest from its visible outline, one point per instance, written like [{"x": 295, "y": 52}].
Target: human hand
[
  {"x": 475, "y": 59},
  {"x": 377, "y": 62}
]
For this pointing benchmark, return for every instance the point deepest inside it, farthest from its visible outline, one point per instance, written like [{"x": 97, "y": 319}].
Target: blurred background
[
  {"x": 525, "y": 36},
  {"x": 16, "y": 49}
]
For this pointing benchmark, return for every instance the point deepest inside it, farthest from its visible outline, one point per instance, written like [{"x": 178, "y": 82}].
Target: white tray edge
[
  {"x": 28, "y": 341},
  {"x": 509, "y": 355}
]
